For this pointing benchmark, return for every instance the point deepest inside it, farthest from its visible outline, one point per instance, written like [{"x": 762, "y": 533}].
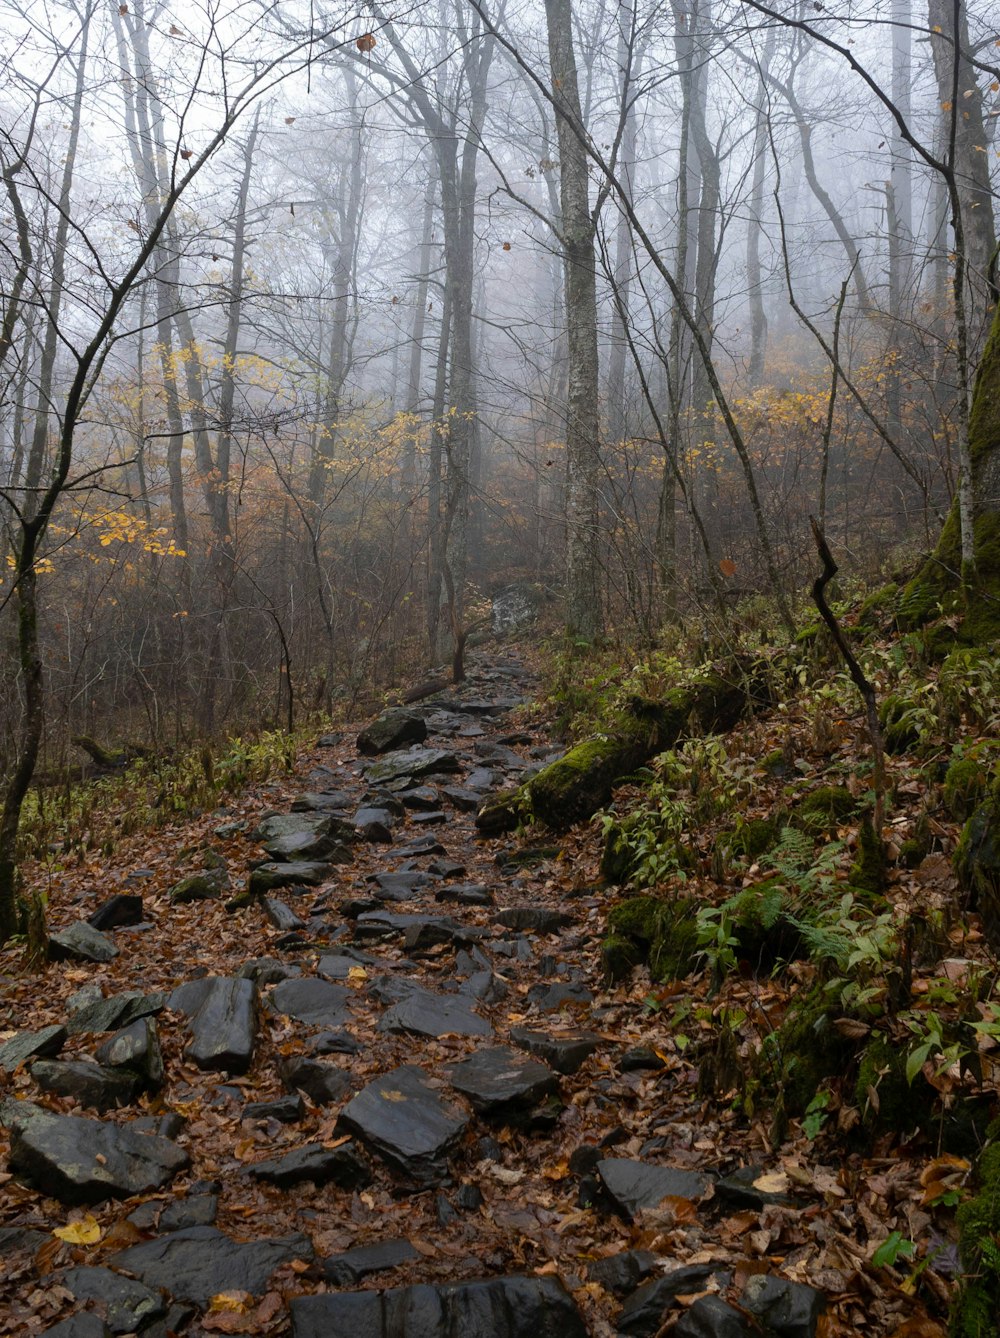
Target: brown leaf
[{"x": 366, "y": 42}]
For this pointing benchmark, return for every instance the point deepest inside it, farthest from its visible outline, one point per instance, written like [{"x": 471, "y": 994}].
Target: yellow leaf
[
  {"x": 946, "y": 106},
  {"x": 357, "y": 976},
  {"x": 240, "y": 1302},
  {"x": 86, "y": 1231}
]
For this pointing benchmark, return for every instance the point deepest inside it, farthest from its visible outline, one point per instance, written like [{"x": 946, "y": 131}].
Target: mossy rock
[
  {"x": 774, "y": 763},
  {"x": 503, "y": 813},
  {"x": 629, "y": 840},
  {"x": 897, "y": 1106},
  {"x": 619, "y": 954},
  {"x": 899, "y": 731},
  {"x": 759, "y": 918},
  {"x": 878, "y": 608},
  {"x": 203, "y": 886},
  {"x": 806, "y": 1051},
  {"x": 965, "y": 784},
  {"x": 975, "y": 1308},
  {"x": 977, "y": 863},
  {"x": 824, "y": 809},
  {"x": 868, "y": 872},
  {"x": 663, "y": 933}
]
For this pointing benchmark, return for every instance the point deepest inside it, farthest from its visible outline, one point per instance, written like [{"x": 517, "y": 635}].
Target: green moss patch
[{"x": 653, "y": 930}]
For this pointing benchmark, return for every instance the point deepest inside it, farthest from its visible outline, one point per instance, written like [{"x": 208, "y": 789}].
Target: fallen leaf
[{"x": 84, "y": 1231}]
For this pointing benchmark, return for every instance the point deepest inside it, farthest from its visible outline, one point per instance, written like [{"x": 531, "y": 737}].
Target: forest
[{"x": 499, "y": 792}]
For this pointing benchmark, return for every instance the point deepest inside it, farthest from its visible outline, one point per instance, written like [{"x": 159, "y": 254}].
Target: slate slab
[
  {"x": 511, "y": 1307},
  {"x": 82, "y": 1325},
  {"x": 407, "y": 1123},
  {"x": 281, "y": 915},
  {"x": 117, "y": 1010},
  {"x": 322, "y": 1083},
  {"x": 498, "y": 1080},
  {"x": 343, "y": 1166},
  {"x": 314, "y": 825},
  {"x": 421, "y": 845},
  {"x": 318, "y": 1003},
  {"x": 417, "y": 930},
  {"x": 83, "y": 1161},
  {"x": 413, "y": 762},
  {"x": 284, "y": 1109},
  {"x": 322, "y": 801},
  {"x": 645, "y": 1310},
  {"x": 81, "y": 942},
  {"x": 465, "y": 894},
  {"x": 273, "y": 875},
  {"x": 135, "y": 1048},
  {"x": 130, "y": 1305},
  {"x": 393, "y": 728},
  {"x": 423, "y": 1013},
  {"x": 301, "y": 847},
  {"x": 711, "y": 1317},
  {"x": 634, "y": 1185},
  {"x": 89, "y": 1084},
  {"x": 532, "y": 919},
  {"x": 789, "y": 1309},
  {"x": 421, "y": 796},
  {"x": 623, "y": 1272},
  {"x": 118, "y": 911},
  {"x": 200, "y": 1262},
  {"x": 194, "y": 1210},
  {"x": 564, "y": 1051},
  {"x": 222, "y": 1013},
  {"x": 343, "y": 1270},
  {"x": 205, "y": 885},
  {"x": 46, "y": 1042},
  {"x": 373, "y": 825}
]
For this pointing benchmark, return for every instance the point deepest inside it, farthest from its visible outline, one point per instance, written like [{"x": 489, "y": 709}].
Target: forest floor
[{"x": 554, "y": 1170}]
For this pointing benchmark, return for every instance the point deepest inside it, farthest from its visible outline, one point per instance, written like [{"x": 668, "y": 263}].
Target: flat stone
[
  {"x": 45, "y": 1042},
  {"x": 480, "y": 779},
  {"x": 462, "y": 798},
  {"x": 465, "y": 894},
  {"x": 446, "y": 868},
  {"x": 222, "y": 1013},
  {"x": 83, "y": 1161},
  {"x": 281, "y": 915},
  {"x": 563, "y": 993},
  {"x": 486, "y": 986},
  {"x": 374, "y": 825},
  {"x": 333, "y": 1043},
  {"x": 711, "y": 1317},
  {"x": 297, "y": 873},
  {"x": 634, "y": 1185},
  {"x": 136, "y": 1049},
  {"x": 318, "y": 1003},
  {"x": 622, "y": 1273},
  {"x": 565, "y": 1051},
  {"x": 417, "y": 930},
  {"x": 117, "y": 911},
  {"x": 339, "y": 965},
  {"x": 117, "y": 1010},
  {"x": 401, "y": 886},
  {"x": 421, "y": 845},
  {"x": 499, "y": 1080},
  {"x": 130, "y": 1305},
  {"x": 345, "y": 1269},
  {"x": 284, "y": 1109},
  {"x": 414, "y": 762},
  {"x": 300, "y": 847},
  {"x": 322, "y": 1083},
  {"x": 81, "y": 942},
  {"x": 88, "y": 1084},
  {"x": 343, "y": 1166},
  {"x": 311, "y": 825},
  {"x": 532, "y": 919},
  {"x": 194, "y": 1210},
  {"x": 82, "y": 1325},
  {"x": 738, "y": 1190},
  {"x": 393, "y": 728},
  {"x": 267, "y": 971},
  {"x": 200, "y": 1262},
  {"x": 431, "y": 818},
  {"x": 206, "y": 885},
  {"x": 499, "y": 753},
  {"x": 322, "y": 801},
  {"x": 17, "y": 1240},
  {"x": 421, "y": 796},
  {"x": 511, "y": 1307},
  {"x": 423, "y": 1013},
  {"x": 403, "y": 1119},
  {"x": 640, "y": 1058}
]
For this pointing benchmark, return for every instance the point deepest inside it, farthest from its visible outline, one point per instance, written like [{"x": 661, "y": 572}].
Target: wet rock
[
  {"x": 343, "y": 1167},
  {"x": 739, "y": 1191},
  {"x": 45, "y": 1042},
  {"x": 549, "y": 998},
  {"x": 423, "y": 845},
  {"x": 318, "y": 1003},
  {"x": 136, "y": 1048},
  {"x": 622, "y": 1273},
  {"x": 83, "y": 1161},
  {"x": 639, "y": 1059},
  {"x": 470, "y": 1198},
  {"x": 118, "y": 1010},
  {"x": 200, "y": 1262},
  {"x": 421, "y": 797},
  {"x": 298, "y": 873},
  {"x": 322, "y": 801},
  {"x": 462, "y": 798},
  {"x": 646, "y": 1309},
  {"x": 480, "y": 779},
  {"x": 429, "y": 819},
  {"x": 511, "y": 1307},
  {"x": 403, "y": 1119},
  {"x": 18, "y": 1240},
  {"x": 374, "y": 825},
  {"x": 333, "y": 1043},
  {"x": 401, "y": 886},
  {"x": 267, "y": 971},
  {"x": 711, "y": 1317},
  {"x": 446, "y": 868},
  {"x": 339, "y": 965},
  {"x": 81, "y": 942},
  {"x": 300, "y": 847},
  {"x": 393, "y": 729},
  {"x": 203, "y": 886},
  {"x": 412, "y": 763},
  {"x": 419, "y": 931},
  {"x": 532, "y": 919},
  {"x": 634, "y": 1185},
  {"x": 129, "y": 1305},
  {"x": 502, "y": 1082},
  {"x": 787, "y": 1309},
  {"x": 322, "y": 1083},
  {"x": 499, "y": 753},
  {"x": 195, "y": 1210},
  {"x": 88, "y": 1084},
  {"x": 343, "y": 1270},
  {"x": 312, "y": 826},
  {"x": 563, "y": 1051},
  {"x": 281, "y": 915},
  {"x": 486, "y": 986},
  {"x": 222, "y": 1014},
  {"x": 116, "y": 912},
  {"x": 284, "y": 1109},
  {"x": 423, "y": 1013}
]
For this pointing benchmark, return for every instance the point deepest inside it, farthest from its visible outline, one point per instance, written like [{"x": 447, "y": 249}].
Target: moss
[
  {"x": 977, "y": 862},
  {"x": 973, "y": 1313},
  {"x": 877, "y": 608},
  {"x": 899, "y": 731},
  {"x": 629, "y": 841},
  {"x": 619, "y": 954},
  {"x": 913, "y": 852},
  {"x": 823, "y": 809},
  {"x": 753, "y": 836},
  {"x": 938, "y": 641},
  {"x": 868, "y": 870},
  {"x": 774, "y": 764},
  {"x": 965, "y": 784},
  {"x": 805, "y": 1051},
  {"x": 664, "y": 934},
  {"x": 883, "y": 1095}
]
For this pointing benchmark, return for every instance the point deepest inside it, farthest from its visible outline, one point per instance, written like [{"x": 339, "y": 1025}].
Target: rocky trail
[{"x": 375, "y": 1085}]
